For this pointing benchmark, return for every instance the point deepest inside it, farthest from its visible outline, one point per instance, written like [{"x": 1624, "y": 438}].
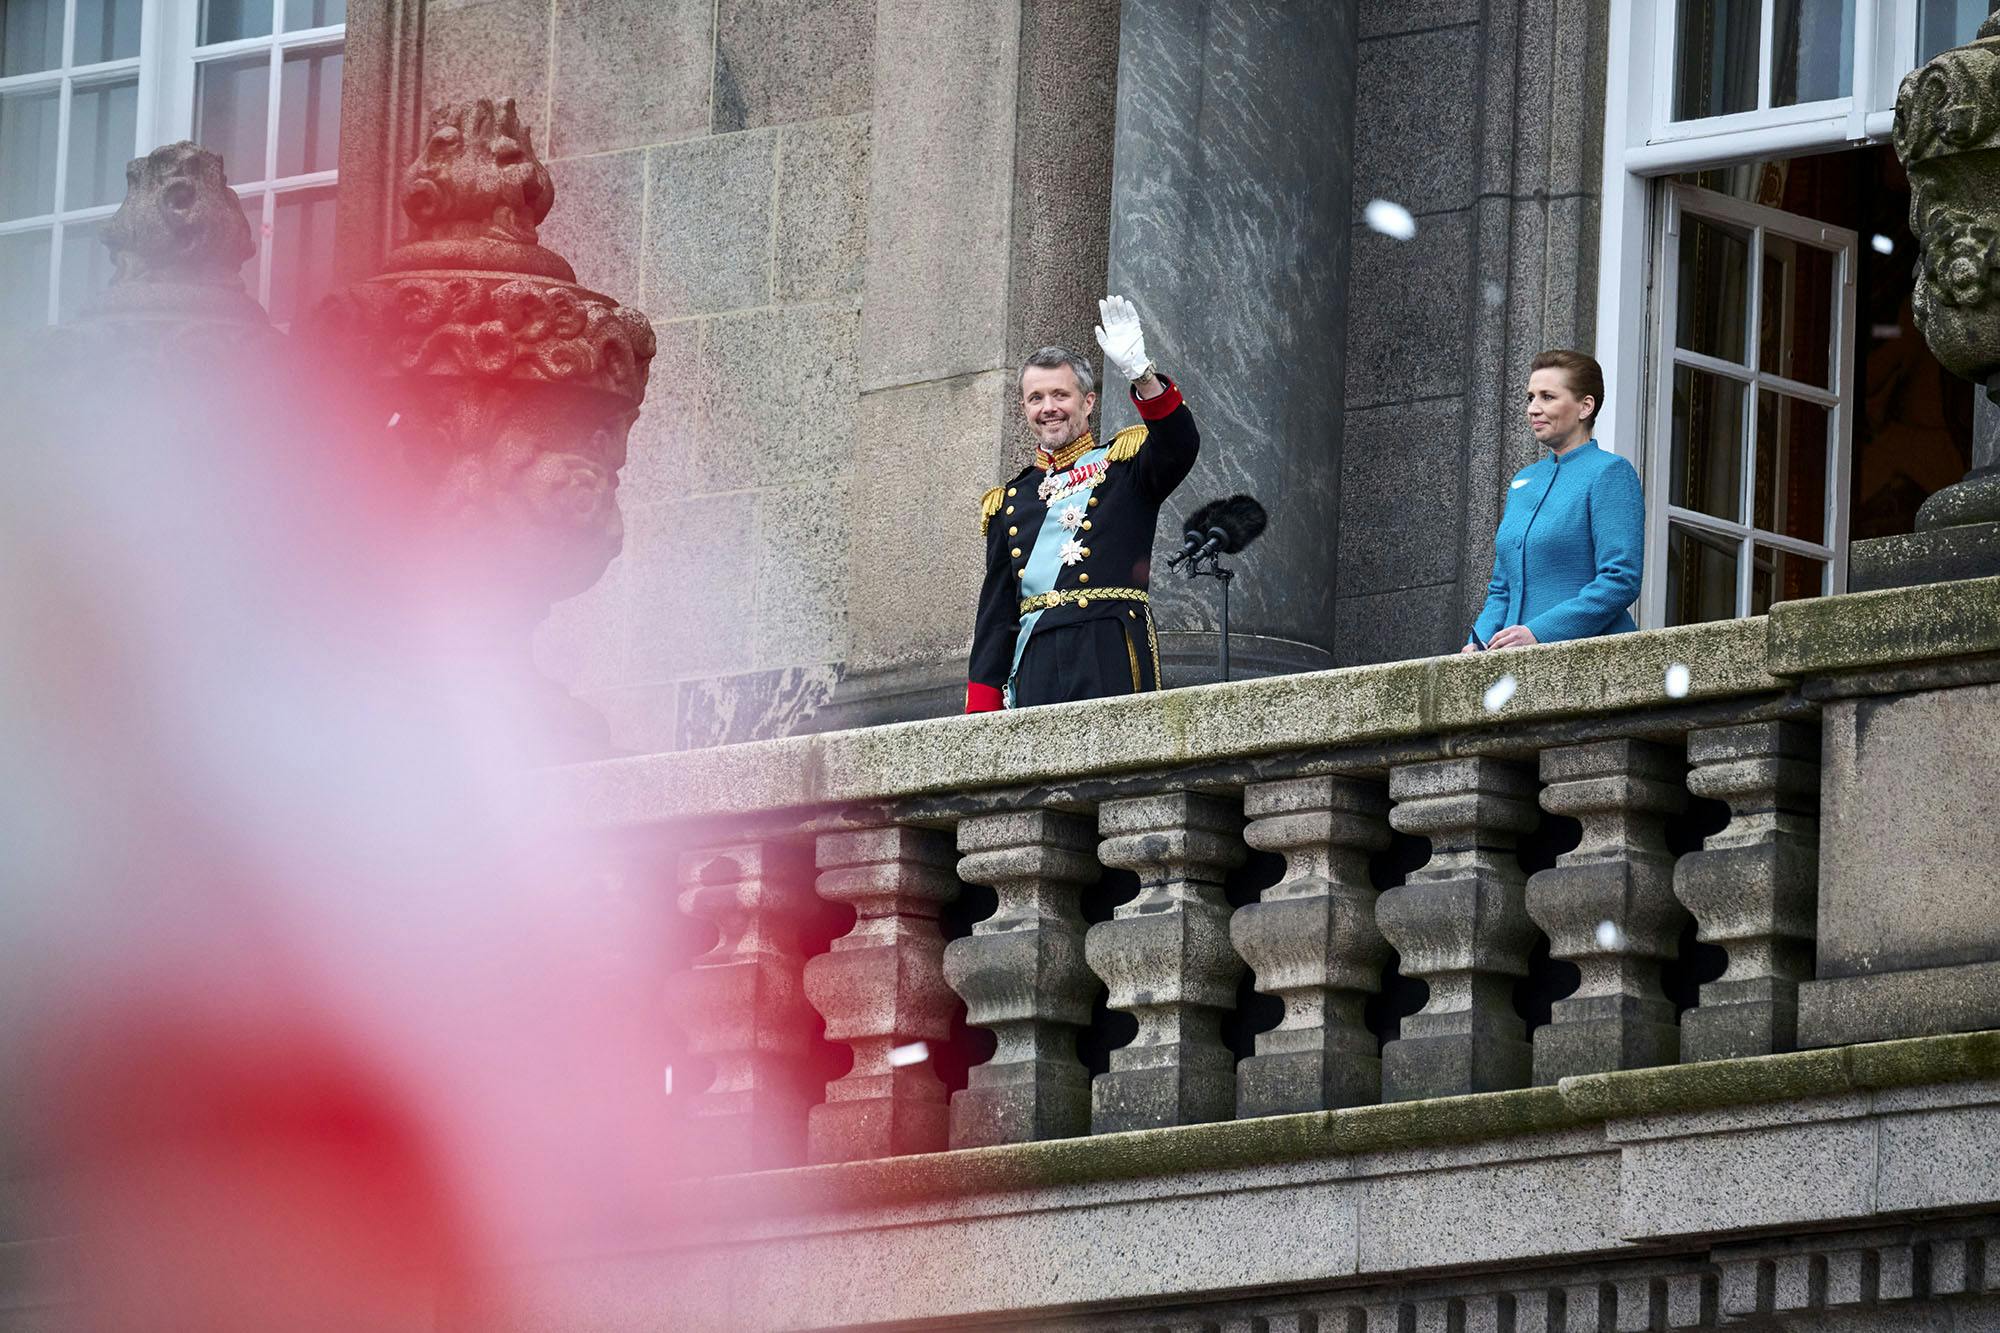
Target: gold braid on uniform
[
  {"x": 989, "y": 505},
  {"x": 1125, "y": 444}
]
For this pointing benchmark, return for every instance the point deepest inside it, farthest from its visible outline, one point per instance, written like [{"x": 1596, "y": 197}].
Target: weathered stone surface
[
  {"x": 708, "y": 224},
  {"x": 1886, "y": 1005},
  {"x": 822, "y": 209},
  {"x": 1206, "y": 165},
  {"x": 1417, "y": 111},
  {"x": 1752, "y": 886},
  {"x": 1608, "y": 906},
  {"x": 781, "y": 60},
  {"x": 731, "y": 710},
  {"x": 1966, "y": 551},
  {"x": 630, "y": 73},
  {"x": 1397, "y": 626},
  {"x": 1023, "y": 977},
  {"x": 1399, "y": 502},
  {"x": 1311, "y": 939},
  {"x": 597, "y": 220},
  {"x": 742, "y": 1004},
  {"x": 487, "y": 48},
  {"x": 778, "y": 400},
  {"x": 801, "y": 608},
  {"x": 1167, "y": 960},
  {"x": 1821, "y": 635},
  {"x": 666, "y": 541},
  {"x": 659, "y": 456},
  {"x": 881, "y": 989},
  {"x": 1907, "y": 797},
  {"x": 1460, "y": 925},
  {"x": 1408, "y": 307}
]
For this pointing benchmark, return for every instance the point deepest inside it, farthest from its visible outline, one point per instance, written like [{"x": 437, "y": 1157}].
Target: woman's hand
[
  {"x": 1470, "y": 648},
  {"x": 1514, "y": 636}
]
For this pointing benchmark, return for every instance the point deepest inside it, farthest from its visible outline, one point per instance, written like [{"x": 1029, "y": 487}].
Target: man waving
[{"x": 1064, "y": 612}]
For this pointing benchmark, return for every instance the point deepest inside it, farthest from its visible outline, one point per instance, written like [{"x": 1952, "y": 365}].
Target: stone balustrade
[{"x": 1474, "y": 754}]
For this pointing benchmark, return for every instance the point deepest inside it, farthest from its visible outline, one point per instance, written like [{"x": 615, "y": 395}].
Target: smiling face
[
  {"x": 1556, "y": 415},
  {"x": 1053, "y": 401}
]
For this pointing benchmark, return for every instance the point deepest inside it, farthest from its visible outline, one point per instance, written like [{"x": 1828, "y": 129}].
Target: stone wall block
[
  {"x": 779, "y": 61},
  {"x": 743, "y": 1006},
  {"x": 1023, "y": 977},
  {"x": 1460, "y": 924},
  {"x": 630, "y": 72},
  {"x": 1168, "y": 961},
  {"x": 881, "y": 989},
  {"x": 1608, "y": 906},
  {"x": 709, "y": 217},
  {"x": 1311, "y": 939},
  {"x": 1753, "y": 885}
]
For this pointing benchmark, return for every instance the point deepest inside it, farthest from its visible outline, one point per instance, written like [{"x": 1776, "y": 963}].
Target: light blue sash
[{"x": 1045, "y": 560}]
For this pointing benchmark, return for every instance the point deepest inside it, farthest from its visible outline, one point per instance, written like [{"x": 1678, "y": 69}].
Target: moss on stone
[
  {"x": 1887, "y": 628},
  {"x": 1707, "y": 1085},
  {"x": 1947, "y": 1059}
]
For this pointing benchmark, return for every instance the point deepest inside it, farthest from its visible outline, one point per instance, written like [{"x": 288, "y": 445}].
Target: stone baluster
[
  {"x": 1752, "y": 887},
  {"x": 1460, "y": 925},
  {"x": 1311, "y": 939},
  {"x": 1608, "y": 906},
  {"x": 1023, "y": 977},
  {"x": 881, "y": 989},
  {"x": 742, "y": 1004},
  {"x": 1167, "y": 960}
]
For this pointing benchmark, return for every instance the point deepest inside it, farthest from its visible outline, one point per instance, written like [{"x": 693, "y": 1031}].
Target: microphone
[{"x": 1220, "y": 527}]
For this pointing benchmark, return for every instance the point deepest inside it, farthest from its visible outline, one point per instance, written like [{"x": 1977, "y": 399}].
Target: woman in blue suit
[{"x": 1571, "y": 545}]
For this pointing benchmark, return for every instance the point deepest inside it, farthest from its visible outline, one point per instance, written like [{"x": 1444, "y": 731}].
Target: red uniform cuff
[
  {"x": 1160, "y": 405},
  {"x": 983, "y": 698}
]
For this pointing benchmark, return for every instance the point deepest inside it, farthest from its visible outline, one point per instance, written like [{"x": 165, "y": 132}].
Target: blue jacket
[{"x": 1570, "y": 550}]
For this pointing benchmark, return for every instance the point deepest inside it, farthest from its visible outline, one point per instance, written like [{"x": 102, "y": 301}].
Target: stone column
[
  {"x": 1230, "y": 199},
  {"x": 1752, "y": 886},
  {"x": 881, "y": 989},
  {"x": 1948, "y": 136},
  {"x": 1023, "y": 976},
  {"x": 1168, "y": 962},
  {"x": 1608, "y": 906},
  {"x": 742, "y": 1004},
  {"x": 1311, "y": 939},
  {"x": 1461, "y": 927},
  {"x": 507, "y": 391}
]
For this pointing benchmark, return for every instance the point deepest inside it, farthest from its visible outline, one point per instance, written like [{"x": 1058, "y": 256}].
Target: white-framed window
[
  {"x": 86, "y": 85},
  {"x": 1703, "y": 84}
]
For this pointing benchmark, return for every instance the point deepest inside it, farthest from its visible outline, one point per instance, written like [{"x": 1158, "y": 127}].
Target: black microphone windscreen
[
  {"x": 1197, "y": 524},
  {"x": 1240, "y": 517}
]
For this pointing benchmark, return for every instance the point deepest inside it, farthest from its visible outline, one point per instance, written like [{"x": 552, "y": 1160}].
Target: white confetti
[
  {"x": 1390, "y": 219},
  {"x": 1494, "y": 293},
  {"x": 394, "y": 417},
  {"x": 1678, "y": 681},
  {"x": 1883, "y": 245},
  {"x": 1500, "y": 692},
  {"x": 670, "y": 1080},
  {"x": 1608, "y": 935},
  {"x": 914, "y": 1053}
]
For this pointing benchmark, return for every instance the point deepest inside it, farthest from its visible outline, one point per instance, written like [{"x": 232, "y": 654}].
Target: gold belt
[{"x": 1080, "y": 597}]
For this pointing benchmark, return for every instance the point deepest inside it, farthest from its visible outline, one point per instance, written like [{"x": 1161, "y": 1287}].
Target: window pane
[
  {"x": 301, "y": 252},
  {"x": 227, "y": 20},
  {"x": 1708, "y": 443},
  {"x": 86, "y": 267},
  {"x": 24, "y": 279},
  {"x": 1812, "y": 51},
  {"x": 1788, "y": 494},
  {"x": 106, "y": 30},
  {"x": 1781, "y": 576},
  {"x": 103, "y": 137},
  {"x": 1715, "y": 60},
  {"x": 232, "y": 99},
  {"x": 253, "y": 213},
  {"x": 1701, "y": 576},
  {"x": 1942, "y": 24},
  {"x": 30, "y": 36},
  {"x": 28, "y": 154},
  {"x": 309, "y": 113},
  {"x": 1796, "y": 339},
  {"x": 1714, "y": 288},
  {"x": 302, "y": 14}
]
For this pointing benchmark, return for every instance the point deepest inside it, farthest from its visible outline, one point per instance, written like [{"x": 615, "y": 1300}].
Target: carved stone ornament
[{"x": 509, "y": 388}]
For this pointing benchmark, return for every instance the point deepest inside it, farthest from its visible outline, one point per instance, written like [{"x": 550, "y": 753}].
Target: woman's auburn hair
[{"x": 1584, "y": 375}]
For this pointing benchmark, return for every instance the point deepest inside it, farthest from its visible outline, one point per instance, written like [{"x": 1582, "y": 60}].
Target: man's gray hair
[{"x": 1048, "y": 358}]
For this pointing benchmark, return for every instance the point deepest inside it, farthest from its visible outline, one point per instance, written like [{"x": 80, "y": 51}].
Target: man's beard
[{"x": 1072, "y": 431}]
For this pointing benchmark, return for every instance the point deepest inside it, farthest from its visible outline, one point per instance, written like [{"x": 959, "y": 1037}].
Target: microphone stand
[{"x": 1209, "y": 565}]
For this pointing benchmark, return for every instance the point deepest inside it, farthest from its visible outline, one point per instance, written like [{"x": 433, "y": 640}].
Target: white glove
[{"x": 1119, "y": 335}]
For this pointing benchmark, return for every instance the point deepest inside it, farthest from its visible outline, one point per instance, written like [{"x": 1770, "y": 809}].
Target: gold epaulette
[
  {"x": 989, "y": 505},
  {"x": 1125, "y": 444}
]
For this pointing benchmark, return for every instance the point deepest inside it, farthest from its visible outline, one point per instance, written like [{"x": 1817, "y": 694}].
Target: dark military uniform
[{"x": 1069, "y": 552}]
